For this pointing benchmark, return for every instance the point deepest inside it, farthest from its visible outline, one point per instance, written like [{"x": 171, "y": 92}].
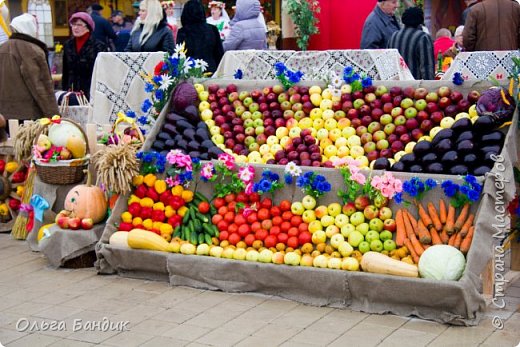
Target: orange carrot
[
  {"x": 469, "y": 222},
  {"x": 400, "y": 233},
  {"x": 444, "y": 237},
  {"x": 413, "y": 222},
  {"x": 436, "y": 239},
  {"x": 435, "y": 217},
  {"x": 450, "y": 221},
  {"x": 414, "y": 254},
  {"x": 424, "y": 234},
  {"x": 442, "y": 211},
  {"x": 462, "y": 217},
  {"x": 425, "y": 217},
  {"x": 458, "y": 240},
  {"x": 466, "y": 243},
  {"x": 451, "y": 242},
  {"x": 408, "y": 225}
]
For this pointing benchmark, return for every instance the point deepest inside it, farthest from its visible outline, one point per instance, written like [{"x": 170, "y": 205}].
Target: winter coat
[
  {"x": 202, "y": 40},
  {"x": 78, "y": 68},
  {"x": 123, "y": 35},
  {"x": 416, "y": 48},
  {"x": 378, "y": 29},
  {"x": 493, "y": 26},
  {"x": 161, "y": 40},
  {"x": 26, "y": 88},
  {"x": 247, "y": 32},
  {"x": 442, "y": 44},
  {"x": 103, "y": 30}
]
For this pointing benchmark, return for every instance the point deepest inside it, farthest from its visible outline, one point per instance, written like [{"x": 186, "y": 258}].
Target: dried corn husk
[{"x": 115, "y": 167}]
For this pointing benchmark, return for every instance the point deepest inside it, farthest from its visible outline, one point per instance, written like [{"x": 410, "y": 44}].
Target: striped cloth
[{"x": 416, "y": 48}]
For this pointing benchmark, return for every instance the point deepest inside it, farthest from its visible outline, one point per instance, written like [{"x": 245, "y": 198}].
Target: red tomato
[
  {"x": 223, "y": 235},
  {"x": 303, "y": 227},
  {"x": 266, "y": 203},
  {"x": 242, "y": 197},
  {"x": 285, "y": 205},
  {"x": 240, "y": 219},
  {"x": 222, "y": 210},
  {"x": 304, "y": 237},
  {"x": 254, "y": 197},
  {"x": 267, "y": 224},
  {"x": 233, "y": 228},
  {"x": 270, "y": 241},
  {"x": 229, "y": 217},
  {"x": 277, "y": 220},
  {"x": 285, "y": 226},
  {"x": 261, "y": 234},
  {"x": 256, "y": 226},
  {"x": 230, "y": 197},
  {"x": 249, "y": 239},
  {"x": 282, "y": 237},
  {"x": 275, "y": 230},
  {"x": 276, "y": 211},
  {"x": 222, "y": 225},
  {"x": 292, "y": 242},
  {"x": 219, "y": 202},
  {"x": 296, "y": 221},
  {"x": 232, "y": 205},
  {"x": 263, "y": 214},
  {"x": 293, "y": 231},
  {"x": 252, "y": 217},
  {"x": 204, "y": 207},
  {"x": 216, "y": 218},
  {"x": 244, "y": 230},
  {"x": 287, "y": 215},
  {"x": 234, "y": 238}
]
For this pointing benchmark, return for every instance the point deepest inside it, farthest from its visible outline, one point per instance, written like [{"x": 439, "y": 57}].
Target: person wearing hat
[
  {"x": 122, "y": 27},
  {"x": 219, "y": 18},
  {"x": 248, "y": 30},
  {"x": 26, "y": 87},
  {"x": 414, "y": 45},
  {"x": 171, "y": 21},
  {"x": 380, "y": 24},
  {"x": 79, "y": 53},
  {"x": 103, "y": 31}
]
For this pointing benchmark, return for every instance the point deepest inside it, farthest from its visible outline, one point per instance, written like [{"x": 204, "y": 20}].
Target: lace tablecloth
[
  {"x": 482, "y": 65},
  {"x": 117, "y": 84},
  {"x": 382, "y": 64}
]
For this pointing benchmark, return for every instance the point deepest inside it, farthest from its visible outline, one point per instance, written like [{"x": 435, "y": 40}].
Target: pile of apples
[
  {"x": 67, "y": 220},
  {"x": 275, "y": 126}
]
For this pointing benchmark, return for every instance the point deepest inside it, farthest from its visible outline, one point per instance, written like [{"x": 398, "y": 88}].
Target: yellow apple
[
  {"x": 334, "y": 209},
  {"x": 275, "y": 148},
  {"x": 203, "y": 95},
  {"x": 325, "y": 142},
  {"x": 318, "y": 123},
  {"x": 320, "y": 261},
  {"x": 335, "y": 134},
  {"x": 350, "y": 264},
  {"x": 308, "y": 216},
  {"x": 198, "y": 87},
  {"x": 340, "y": 141},
  {"x": 315, "y": 113},
  {"x": 461, "y": 115},
  {"x": 332, "y": 230},
  {"x": 343, "y": 151},
  {"x": 267, "y": 156},
  {"x": 305, "y": 123},
  {"x": 321, "y": 211},
  {"x": 473, "y": 111},
  {"x": 331, "y": 124},
  {"x": 327, "y": 220},
  {"x": 210, "y": 123},
  {"x": 425, "y": 138},
  {"x": 291, "y": 123},
  {"x": 325, "y": 104},
  {"x": 343, "y": 123},
  {"x": 239, "y": 254},
  {"x": 345, "y": 249},
  {"x": 207, "y": 114},
  {"x": 409, "y": 147},
  {"x": 326, "y": 94},
  {"x": 356, "y": 151},
  {"x": 318, "y": 236},
  {"x": 315, "y": 90},
  {"x": 363, "y": 161},
  {"x": 316, "y": 99},
  {"x": 447, "y": 122},
  {"x": 285, "y": 141},
  {"x": 334, "y": 263},
  {"x": 294, "y": 132},
  {"x": 346, "y": 89},
  {"x": 264, "y": 149},
  {"x": 434, "y": 131},
  {"x": 204, "y": 105},
  {"x": 330, "y": 150},
  {"x": 306, "y": 260},
  {"x": 281, "y": 132},
  {"x": 327, "y": 114},
  {"x": 315, "y": 226},
  {"x": 322, "y": 134},
  {"x": 348, "y": 132}
]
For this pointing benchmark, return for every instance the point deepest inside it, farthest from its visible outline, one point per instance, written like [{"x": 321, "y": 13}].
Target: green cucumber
[
  {"x": 194, "y": 239},
  {"x": 207, "y": 238}
]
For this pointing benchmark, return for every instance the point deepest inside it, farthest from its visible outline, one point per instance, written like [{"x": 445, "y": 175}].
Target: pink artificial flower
[
  {"x": 398, "y": 186},
  {"x": 387, "y": 192},
  {"x": 338, "y": 162},
  {"x": 228, "y": 160},
  {"x": 248, "y": 210},
  {"x": 353, "y": 163},
  {"x": 249, "y": 187},
  {"x": 246, "y": 173},
  {"x": 176, "y": 157},
  {"x": 169, "y": 182},
  {"x": 207, "y": 171},
  {"x": 359, "y": 178},
  {"x": 376, "y": 182}
]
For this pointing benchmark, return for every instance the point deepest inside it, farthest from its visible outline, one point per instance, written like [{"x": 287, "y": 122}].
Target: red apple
[
  {"x": 444, "y": 91},
  {"x": 87, "y": 223},
  {"x": 74, "y": 223}
]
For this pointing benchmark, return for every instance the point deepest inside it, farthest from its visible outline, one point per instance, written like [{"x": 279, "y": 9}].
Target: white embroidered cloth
[{"x": 482, "y": 65}]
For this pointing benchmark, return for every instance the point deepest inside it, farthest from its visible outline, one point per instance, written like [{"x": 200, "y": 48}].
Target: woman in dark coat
[
  {"x": 79, "y": 54},
  {"x": 151, "y": 32},
  {"x": 202, "y": 39}
]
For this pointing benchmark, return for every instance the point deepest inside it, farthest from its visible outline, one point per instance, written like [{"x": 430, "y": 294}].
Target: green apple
[
  {"x": 252, "y": 255},
  {"x": 345, "y": 249},
  {"x": 376, "y": 224},
  {"x": 202, "y": 249},
  {"x": 308, "y": 202},
  {"x": 385, "y": 235},
  {"x": 364, "y": 247},
  {"x": 347, "y": 229},
  {"x": 334, "y": 209},
  {"x": 336, "y": 240},
  {"x": 292, "y": 258},
  {"x": 371, "y": 236},
  {"x": 357, "y": 218},
  {"x": 341, "y": 220},
  {"x": 376, "y": 245},
  {"x": 265, "y": 256},
  {"x": 363, "y": 228},
  {"x": 389, "y": 245},
  {"x": 334, "y": 263},
  {"x": 297, "y": 208},
  {"x": 350, "y": 264},
  {"x": 308, "y": 216},
  {"x": 355, "y": 238}
]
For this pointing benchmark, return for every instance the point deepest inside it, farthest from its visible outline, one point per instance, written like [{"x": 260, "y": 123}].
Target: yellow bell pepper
[
  {"x": 146, "y": 202},
  {"x": 133, "y": 198},
  {"x": 166, "y": 229},
  {"x": 11, "y": 167},
  {"x": 182, "y": 211},
  {"x": 177, "y": 190},
  {"x": 126, "y": 217},
  {"x": 187, "y": 195},
  {"x": 148, "y": 224},
  {"x": 156, "y": 225},
  {"x": 149, "y": 180},
  {"x": 160, "y": 186},
  {"x": 4, "y": 210},
  {"x": 19, "y": 191},
  {"x": 137, "y": 180},
  {"x": 169, "y": 211},
  {"x": 137, "y": 221},
  {"x": 158, "y": 206}
]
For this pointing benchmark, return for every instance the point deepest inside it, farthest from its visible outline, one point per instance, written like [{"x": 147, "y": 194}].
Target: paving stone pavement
[{"x": 160, "y": 315}]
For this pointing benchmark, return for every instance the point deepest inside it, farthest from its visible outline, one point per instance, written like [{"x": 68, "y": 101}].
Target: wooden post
[{"x": 488, "y": 276}]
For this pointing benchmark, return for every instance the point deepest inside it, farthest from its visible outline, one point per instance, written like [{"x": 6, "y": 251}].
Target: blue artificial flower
[
  {"x": 157, "y": 79},
  {"x": 294, "y": 77},
  {"x": 279, "y": 67},
  {"x": 430, "y": 183},
  {"x": 274, "y": 176},
  {"x": 302, "y": 181},
  {"x": 266, "y": 174},
  {"x": 288, "y": 178},
  {"x": 255, "y": 187},
  {"x": 457, "y": 79},
  {"x": 450, "y": 190},
  {"x": 413, "y": 191},
  {"x": 130, "y": 114},
  {"x": 147, "y": 104},
  {"x": 470, "y": 179},
  {"x": 366, "y": 82},
  {"x": 420, "y": 187},
  {"x": 473, "y": 195},
  {"x": 174, "y": 62},
  {"x": 348, "y": 79},
  {"x": 265, "y": 185},
  {"x": 159, "y": 94},
  {"x": 308, "y": 175},
  {"x": 464, "y": 190},
  {"x": 355, "y": 77},
  {"x": 148, "y": 87},
  {"x": 320, "y": 178},
  {"x": 407, "y": 187},
  {"x": 148, "y": 157},
  {"x": 324, "y": 186},
  {"x": 398, "y": 198},
  {"x": 347, "y": 71},
  {"x": 238, "y": 74},
  {"x": 188, "y": 175},
  {"x": 195, "y": 161},
  {"x": 139, "y": 155},
  {"x": 142, "y": 131},
  {"x": 142, "y": 120}
]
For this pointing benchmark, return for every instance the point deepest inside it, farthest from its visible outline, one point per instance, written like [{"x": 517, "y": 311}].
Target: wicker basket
[{"x": 63, "y": 171}]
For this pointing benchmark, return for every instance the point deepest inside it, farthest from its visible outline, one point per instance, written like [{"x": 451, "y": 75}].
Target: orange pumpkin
[{"x": 87, "y": 201}]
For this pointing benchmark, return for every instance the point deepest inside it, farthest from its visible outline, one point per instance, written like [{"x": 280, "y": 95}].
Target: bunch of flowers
[
  {"x": 167, "y": 74},
  {"x": 269, "y": 183},
  {"x": 415, "y": 188},
  {"x": 386, "y": 187},
  {"x": 291, "y": 170},
  {"x": 313, "y": 184},
  {"x": 229, "y": 181},
  {"x": 151, "y": 162},
  {"x": 457, "y": 79},
  {"x": 461, "y": 194},
  {"x": 335, "y": 84},
  {"x": 287, "y": 77},
  {"x": 238, "y": 75},
  {"x": 353, "y": 178},
  {"x": 180, "y": 171},
  {"x": 357, "y": 82}
]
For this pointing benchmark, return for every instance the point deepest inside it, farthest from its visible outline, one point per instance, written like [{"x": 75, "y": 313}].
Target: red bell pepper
[
  {"x": 18, "y": 177},
  {"x": 146, "y": 212},
  {"x": 165, "y": 197},
  {"x": 152, "y": 194},
  {"x": 135, "y": 209},
  {"x": 175, "y": 220},
  {"x": 158, "y": 216},
  {"x": 2, "y": 166},
  {"x": 125, "y": 226},
  {"x": 140, "y": 191},
  {"x": 176, "y": 202}
]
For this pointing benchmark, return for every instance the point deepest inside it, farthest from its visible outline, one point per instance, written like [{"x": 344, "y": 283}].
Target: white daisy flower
[
  {"x": 166, "y": 82},
  {"x": 336, "y": 81},
  {"x": 201, "y": 64},
  {"x": 293, "y": 169}
]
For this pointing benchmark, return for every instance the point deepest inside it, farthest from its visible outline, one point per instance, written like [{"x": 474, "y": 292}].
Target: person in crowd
[
  {"x": 4, "y": 22},
  {"x": 443, "y": 41},
  {"x": 469, "y": 4},
  {"x": 458, "y": 45},
  {"x": 26, "y": 88},
  {"x": 219, "y": 18},
  {"x": 122, "y": 27},
  {"x": 80, "y": 52},
  {"x": 414, "y": 45},
  {"x": 247, "y": 29},
  {"x": 202, "y": 40},
  {"x": 493, "y": 25},
  {"x": 380, "y": 24},
  {"x": 103, "y": 31},
  {"x": 169, "y": 8},
  {"x": 150, "y": 32}
]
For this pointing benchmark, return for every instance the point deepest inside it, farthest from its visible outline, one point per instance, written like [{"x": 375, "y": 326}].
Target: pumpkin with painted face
[{"x": 87, "y": 201}]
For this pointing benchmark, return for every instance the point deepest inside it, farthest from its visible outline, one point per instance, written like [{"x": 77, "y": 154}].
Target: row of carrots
[{"x": 434, "y": 227}]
